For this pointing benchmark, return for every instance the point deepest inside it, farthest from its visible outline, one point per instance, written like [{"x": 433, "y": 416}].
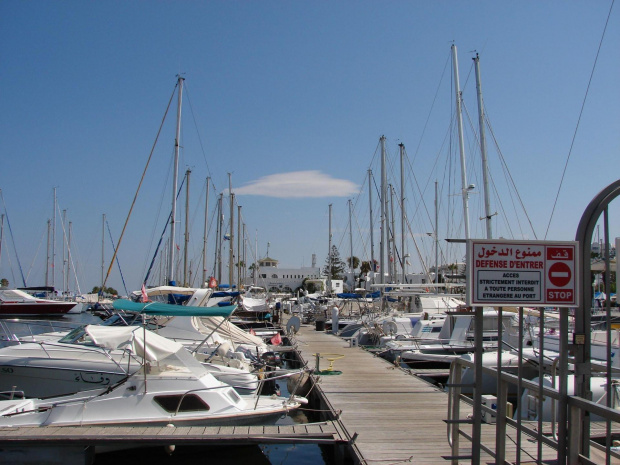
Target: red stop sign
[{"x": 560, "y": 274}]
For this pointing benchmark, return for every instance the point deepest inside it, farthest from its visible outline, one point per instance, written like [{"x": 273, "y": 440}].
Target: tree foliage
[
  {"x": 355, "y": 260},
  {"x": 106, "y": 290},
  {"x": 334, "y": 266}
]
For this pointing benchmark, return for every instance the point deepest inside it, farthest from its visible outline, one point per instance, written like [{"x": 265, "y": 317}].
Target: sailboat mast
[
  {"x": 231, "y": 248},
  {"x": 256, "y": 258},
  {"x": 459, "y": 119},
  {"x": 175, "y": 176},
  {"x": 392, "y": 235},
  {"x": 218, "y": 253},
  {"x": 402, "y": 212},
  {"x": 186, "y": 246},
  {"x": 54, "y": 241},
  {"x": 483, "y": 151},
  {"x": 204, "y": 237},
  {"x": 239, "y": 255},
  {"x": 351, "y": 248},
  {"x": 372, "y": 239},
  {"x": 47, "y": 258},
  {"x": 436, "y": 238},
  {"x": 64, "y": 274},
  {"x": 383, "y": 212},
  {"x": 102, "y": 252},
  {"x": 329, "y": 254}
]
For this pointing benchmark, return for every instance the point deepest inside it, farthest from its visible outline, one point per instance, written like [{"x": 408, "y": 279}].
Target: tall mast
[
  {"x": 392, "y": 237},
  {"x": 402, "y": 212},
  {"x": 69, "y": 258},
  {"x": 220, "y": 223},
  {"x": 372, "y": 240},
  {"x": 65, "y": 276},
  {"x": 383, "y": 212},
  {"x": 329, "y": 255},
  {"x": 54, "y": 242},
  {"x": 47, "y": 258},
  {"x": 483, "y": 151},
  {"x": 256, "y": 258},
  {"x": 239, "y": 256},
  {"x": 171, "y": 280},
  {"x": 351, "y": 247},
  {"x": 459, "y": 119},
  {"x": 244, "y": 242},
  {"x": 436, "y": 238},
  {"x": 231, "y": 248},
  {"x": 204, "y": 237},
  {"x": 102, "y": 251},
  {"x": 186, "y": 246}
]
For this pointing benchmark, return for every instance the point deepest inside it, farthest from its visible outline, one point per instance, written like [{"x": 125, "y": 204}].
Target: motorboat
[
  {"x": 455, "y": 338},
  {"x": 14, "y": 302},
  {"x": 169, "y": 387}
]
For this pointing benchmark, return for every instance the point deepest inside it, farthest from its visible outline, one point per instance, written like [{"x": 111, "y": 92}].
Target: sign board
[{"x": 522, "y": 273}]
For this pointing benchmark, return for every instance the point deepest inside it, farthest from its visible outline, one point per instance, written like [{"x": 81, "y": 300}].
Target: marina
[
  {"x": 370, "y": 410},
  {"x": 291, "y": 233}
]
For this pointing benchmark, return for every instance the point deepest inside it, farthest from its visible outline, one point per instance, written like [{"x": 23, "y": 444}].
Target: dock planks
[{"x": 391, "y": 415}]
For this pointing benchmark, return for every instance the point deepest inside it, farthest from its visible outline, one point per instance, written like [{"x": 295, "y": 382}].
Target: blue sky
[{"x": 291, "y": 98}]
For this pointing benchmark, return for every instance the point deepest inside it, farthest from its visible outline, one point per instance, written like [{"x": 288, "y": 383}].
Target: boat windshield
[{"x": 77, "y": 336}]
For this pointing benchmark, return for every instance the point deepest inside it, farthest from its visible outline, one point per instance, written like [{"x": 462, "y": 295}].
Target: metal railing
[{"x": 575, "y": 408}]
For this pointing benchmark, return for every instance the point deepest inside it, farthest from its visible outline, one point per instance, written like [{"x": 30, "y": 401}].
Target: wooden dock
[
  {"x": 388, "y": 415},
  {"x": 69, "y": 445},
  {"x": 326, "y": 433}
]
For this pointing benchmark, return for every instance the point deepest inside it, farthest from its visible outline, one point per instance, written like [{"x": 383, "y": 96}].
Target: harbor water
[{"x": 280, "y": 454}]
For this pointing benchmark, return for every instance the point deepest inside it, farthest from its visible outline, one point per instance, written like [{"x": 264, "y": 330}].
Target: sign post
[{"x": 522, "y": 273}]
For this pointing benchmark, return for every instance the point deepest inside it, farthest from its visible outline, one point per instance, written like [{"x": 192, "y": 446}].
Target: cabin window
[
  {"x": 233, "y": 396},
  {"x": 190, "y": 403}
]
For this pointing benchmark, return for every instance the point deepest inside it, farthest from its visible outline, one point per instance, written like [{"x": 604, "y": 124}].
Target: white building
[{"x": 275, "y": 279}]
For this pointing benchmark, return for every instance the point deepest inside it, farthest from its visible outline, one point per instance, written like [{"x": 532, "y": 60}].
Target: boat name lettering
[{"x": 7, "y": 370}]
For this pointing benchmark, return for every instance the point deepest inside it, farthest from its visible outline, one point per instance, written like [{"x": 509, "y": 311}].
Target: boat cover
[
  {"x": 158, "y": 308},
  {"x": 139, "y": 341}
]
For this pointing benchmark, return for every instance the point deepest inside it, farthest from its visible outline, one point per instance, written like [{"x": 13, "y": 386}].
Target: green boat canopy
[{"x": 162, "y": 309}]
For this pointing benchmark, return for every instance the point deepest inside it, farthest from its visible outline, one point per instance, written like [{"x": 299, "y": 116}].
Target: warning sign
[{"x": 534, "y": 273}]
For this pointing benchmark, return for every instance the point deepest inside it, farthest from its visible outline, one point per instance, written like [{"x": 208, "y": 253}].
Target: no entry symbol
[{"x": 560, "y": 274}]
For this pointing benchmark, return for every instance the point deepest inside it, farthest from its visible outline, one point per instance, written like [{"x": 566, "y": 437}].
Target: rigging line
[
  {"x": 118, "y": 263},
  {"x": 503, "y": 160},
  {"x": 36, "y": 254},
  {"x": 497, "y": 197},
  {"x": 66, "y": 244},
  {"x": 191, "y": 108},
  {"x": 507, "y": 177},
  {"x": 140, "y": 184},
  {"x": 583, "y": 104},
  {"x": 164, "y": 191},
  {"x": 19, "y": 265},
  {"x": 443, "y": 73},
  {"x": 148, "y": 272}
]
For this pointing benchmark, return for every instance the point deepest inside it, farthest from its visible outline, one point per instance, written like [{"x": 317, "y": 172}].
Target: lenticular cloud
[{"x": 299, "y": 184}]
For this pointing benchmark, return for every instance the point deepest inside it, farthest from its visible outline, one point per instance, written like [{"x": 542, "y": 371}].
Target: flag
[
  {"x": 145, "y": 298},
  {"x": 252, "y": 332},
  {"x": 276, "y": 340}
]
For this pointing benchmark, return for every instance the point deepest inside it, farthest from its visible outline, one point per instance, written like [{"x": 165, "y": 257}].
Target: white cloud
[{"x": 299, "y": 184}]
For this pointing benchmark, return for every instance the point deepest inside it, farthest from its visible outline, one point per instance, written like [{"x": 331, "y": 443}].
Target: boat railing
[
  {"x": 107, "y": 354},
  {"x": 16, "y": 331}
]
